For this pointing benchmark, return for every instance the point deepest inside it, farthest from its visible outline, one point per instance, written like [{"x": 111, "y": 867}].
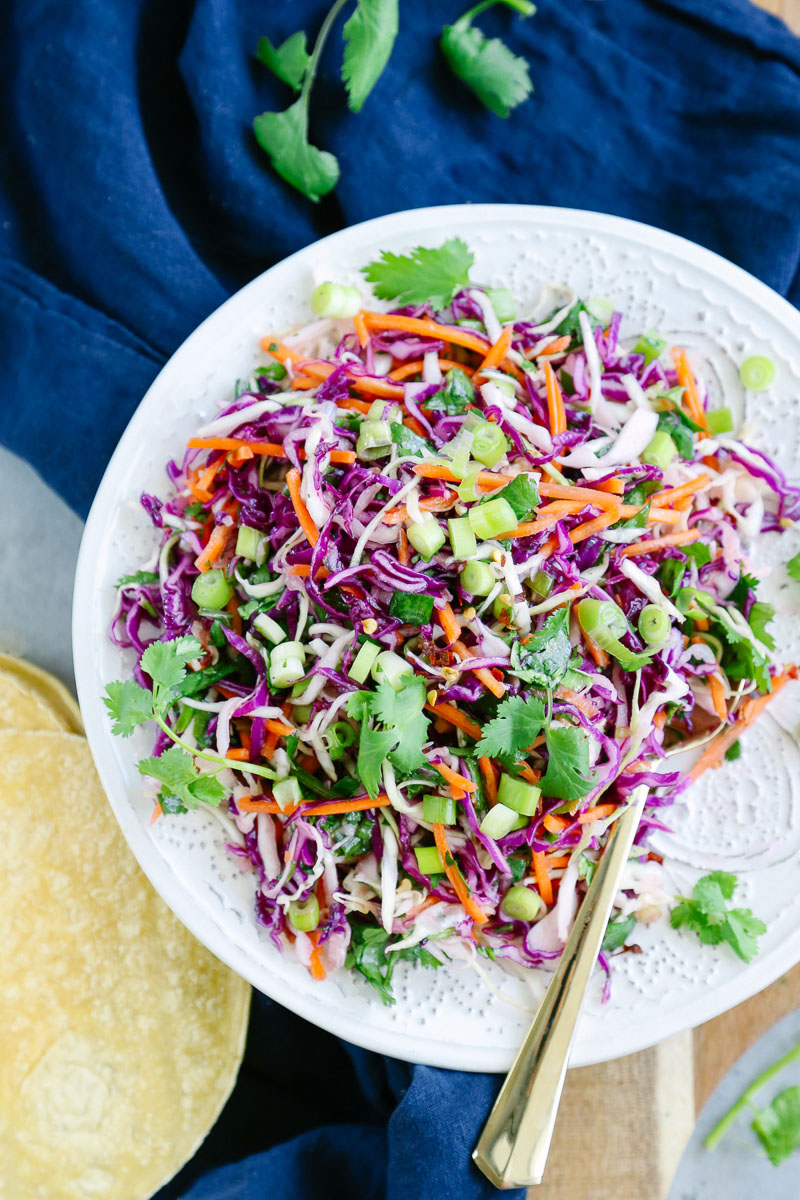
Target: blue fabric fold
[{"x": 133, "y": 200}]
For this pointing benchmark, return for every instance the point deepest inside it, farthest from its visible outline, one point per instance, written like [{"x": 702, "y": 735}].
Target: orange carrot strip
[
  {"x": 206, "y": 478},
  {"x": 661, "y": 499},
  {"x": 356, "y": 405},
  {"x": 303, "y": 570},
  {"x": 581, "y": 532},
  {"x": 394, "y": 516},
  {"x": 403, "y": 552},
  {"x": 279, "y": 351},
  {"x": 633, "y": 549},
  {"x": 489, "y": 778},
  {"x": 556, "y": 347},
  {"x": 687, "y": 381},
  {"x": 555, "y": 824},
  {"x": 415, "y": 368},
  {"x": 315, "y": 966},
  {"x": 556, "y": 861},
  {"x": 599, "y": 655},
  {"x": 751, "y": 708},
  {"x": 233, "y": 608},
  {"x": 454, "y": 716},
  {"x": 543, "y": 882},
  {"x": 361, "y": 329},
  {"x": 718, "y": 697},
  {"x": 453, "y": 778},
  {"x": 555, "y": 404},
  {"x": 449, "y": 623},
  {"x": 304, "y": 517},
  {"x": 426, "y": 328},
  {"x": 482, "y": 673},
  {"x": 560, "y": 491},
  {"x": 239, "y": 755},
  {"x": 454, "y": 875},
  {"x": 377, "y": 387},
  {"x": 214, "y": 547},
  {"x": 497, "y": 352},
  {"x": 280, "y": 728},
  {"x": 248, "y": 804},
  {"x": 526, "y": 771},
  {"x": 157, "y": 812},
  {"x": 270, "y": 746},
  {"x": 596, "y": 814},
  {"x": 267, "y": 448},
  {"x": 198, "y": 493},
  {"x": 615, "y": 486}
]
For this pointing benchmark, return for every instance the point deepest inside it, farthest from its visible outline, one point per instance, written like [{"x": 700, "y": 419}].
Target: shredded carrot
[
  {"x": 588, "y": 529},
  {"x": 239, "y": 755},
  {"x": 426, "y": 328},
  {"x": 206, "y": 478},
  {"x": 557, "y": 347},
  {"x": 497, "y": 352},
  {"x": 415, "y": 368},
  {"x": 633, "y": 549},
  {"x": 248, "y": 804},
  {"x": 403, "y": 553},
  {"x": 428, "y": 902},
  {"x": 449, "y": 623},
  {"x": 394, "y": 516},
  {"x": 157, "y": 812},
  {"x": 543, "y": 881},
  {"x": 275, "y": 449},
  {"x": 454, "y": 716},
  {"x": 280, "y": 728},
  {"x": 488, "y": 480},
  {"x": 554, "y": 823},
  {"x": 660, "y": 499},
  {"x": 361, "y": 329},
  {"x": 241, "y": 455},
  {"x": 214, "y": 547},
  {"x": 489, "y": 778},
  {"x": 233, "y": 608},
  {"x": 454, "y": 875},
  {"x": 279, "y": 351},
  {"x": 599, "y": 655},
  {"x": 303, "y": 570},
  {"x": 555, "y": 404},
  {"x": 454, "y": 779},
  {"x": 597, "y": 814},
  {"x": 495, "y": 686},
  {"x": 377, "y": 387},
  {"x": 560, "y": 491},
  {"x": 752, "y": 707},
  {"x": 315, "y": 961},
  {"x": 415, "y": 426},
  {"x": 350, "y": 403},
  {"x": 718, "y": 697},
  {"x": 656, "y": 516},
  {"x": 270, "y": 745},
  {"x": 308, "y": 527},
  {"x": 660, "y": 719},
  {"x": 615, "y": 486},
  {"x": 525, "y": 770},
  {"x": 701, "y": 623},
  {"x": 687, "y": 381}
]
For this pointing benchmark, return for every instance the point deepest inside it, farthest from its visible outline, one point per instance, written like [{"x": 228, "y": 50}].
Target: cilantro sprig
[
  {"x": 707, "y": 914},
  {"x": 130, "y": 705},
  {"x": 367, "y": 954},
  {"x": 777, "y": 1125},
  {"x": 426, "y": 274},
  {"x": 499, "y": 78},
  {"x": 405, "y": 729}
]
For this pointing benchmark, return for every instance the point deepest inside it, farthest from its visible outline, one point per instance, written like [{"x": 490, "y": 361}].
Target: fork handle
[{"x": 512, "y": 1150}]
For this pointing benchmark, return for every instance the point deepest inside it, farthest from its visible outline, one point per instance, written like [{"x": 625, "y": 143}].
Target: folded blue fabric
[{"x": 133, "y": 200}]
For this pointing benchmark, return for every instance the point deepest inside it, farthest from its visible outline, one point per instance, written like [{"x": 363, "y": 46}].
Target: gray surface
[
  {"x": 738, "y": 1169},
  {"x": 42, "y": 536}
]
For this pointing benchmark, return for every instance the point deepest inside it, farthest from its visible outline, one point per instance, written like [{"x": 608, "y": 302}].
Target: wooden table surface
[{"x": 623, "y": 1125}]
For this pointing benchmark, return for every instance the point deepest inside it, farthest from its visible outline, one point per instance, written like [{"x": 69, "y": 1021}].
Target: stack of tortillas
[{"x": 120, "y": 1035}]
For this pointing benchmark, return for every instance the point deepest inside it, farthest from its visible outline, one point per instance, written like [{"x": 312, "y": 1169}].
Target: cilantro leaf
[
  {"x": 793, "y": 568},
  {"x": 128, "y": 706},
  {"x": 744, "y": 584},
  {"x": 424, "y": 274},
  {"x": 637, "y": 521},
  {"x": 175, "y": 771},
  {"x": 373, "y": 748},
  {"x": 760, "y": 616},
  {"x": 284, "y": 138},
  {"x": 618, "y": 931},
  {"x": 409, "y": 442},
  {"x": 458, "y": 393},
  {"x": 680, "y": 428},
  {"x": 707, "y": 914},
  {"x": 401, "y": 710},
  {"x": 351, "y": 834},
  {"x": 367, "y": 954},
  {"x": 568, "y": 776},
  {"x": 514, "y": 729},
  {"x": 544, "y": 659},
  {"x": 778, "y": 1125},
  {"x": 369, "y": 38},
  {"x": 141, "y": 577},
  {"x": 165, "y": 662},
  {"x": 498, "y": 78},
  {"x": 288, "y": 61}
]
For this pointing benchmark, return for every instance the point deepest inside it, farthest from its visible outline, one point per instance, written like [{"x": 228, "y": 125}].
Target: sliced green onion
[
  {"x": 374, "y": 440},
  {"x": 502, "y": 609},
  {"x": 522, "y": 903},
  {"x": 468, "y": 488},
  {"x": 488, "y": 444},
  {"x": 601, "y": 308},
  {"x": 377, "y": 410},
  {"x": 299, "y": 688},
  {"x": 757, "y": 373},
  {"x": 654, "y": 625},
  {"x": 304, "y": 915},
  {"x": 522, "y": 494},
  {"x": 692, "y": 601},
  {"x": 477, "y": 578},
  {"x": 439, "y": 810},
  {"x": 335, "y": 300},
  {"x": 286, "y": 793},
  {"x": 390, "y": 667},
  {"x": 426, "y": 538},
  {"x": 213, "y": 589},
  {"x": 429, "y": 860},
  {"x": 411, "y": 609},
  {"x": 541, "y": 585},
  {"x": 517, "y": 794},
  {"x": 503, "y": 304},
  {"x": 301, "y": 713},
  {"x": 248, "y": 541},
  {"x": 720, "y": 420},
  {"x": 650, "y": 345},
  {"x": 491, "y": 519},
  {"x": 462, "y": 538},
  {"x": 269, "y": 629},
  {"x": 362, "y": 663},
  {"x": 286, "y": 663},
  {"x": 499, "y": 821},
  {"x": 659, "y": 451},
  {"x": 339, "y": 737},
  {"x": 605, "y": 624},
  {"x": 457, "y": 451}
]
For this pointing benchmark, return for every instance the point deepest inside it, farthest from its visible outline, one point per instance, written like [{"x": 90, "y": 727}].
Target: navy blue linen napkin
[{"x": 133, "y": 200}]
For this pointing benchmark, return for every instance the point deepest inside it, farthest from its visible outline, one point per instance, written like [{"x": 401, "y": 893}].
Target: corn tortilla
[
  {"x": 46, "y": 688},
  {"x": 21, "y": 708},
  {"x": 120, "y": 1035}
]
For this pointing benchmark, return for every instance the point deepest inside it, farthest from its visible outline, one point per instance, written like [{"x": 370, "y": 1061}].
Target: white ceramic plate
[{"x": 744, "y": 818}]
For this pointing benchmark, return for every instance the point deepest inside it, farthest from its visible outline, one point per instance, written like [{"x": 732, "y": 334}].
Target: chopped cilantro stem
[
  {"x": 253, "y": 768},
  {"x": 744, "y": 1101}
]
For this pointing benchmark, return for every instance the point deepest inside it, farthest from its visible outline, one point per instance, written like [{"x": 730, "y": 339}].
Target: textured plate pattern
[{"x": 745, "y": 818}]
